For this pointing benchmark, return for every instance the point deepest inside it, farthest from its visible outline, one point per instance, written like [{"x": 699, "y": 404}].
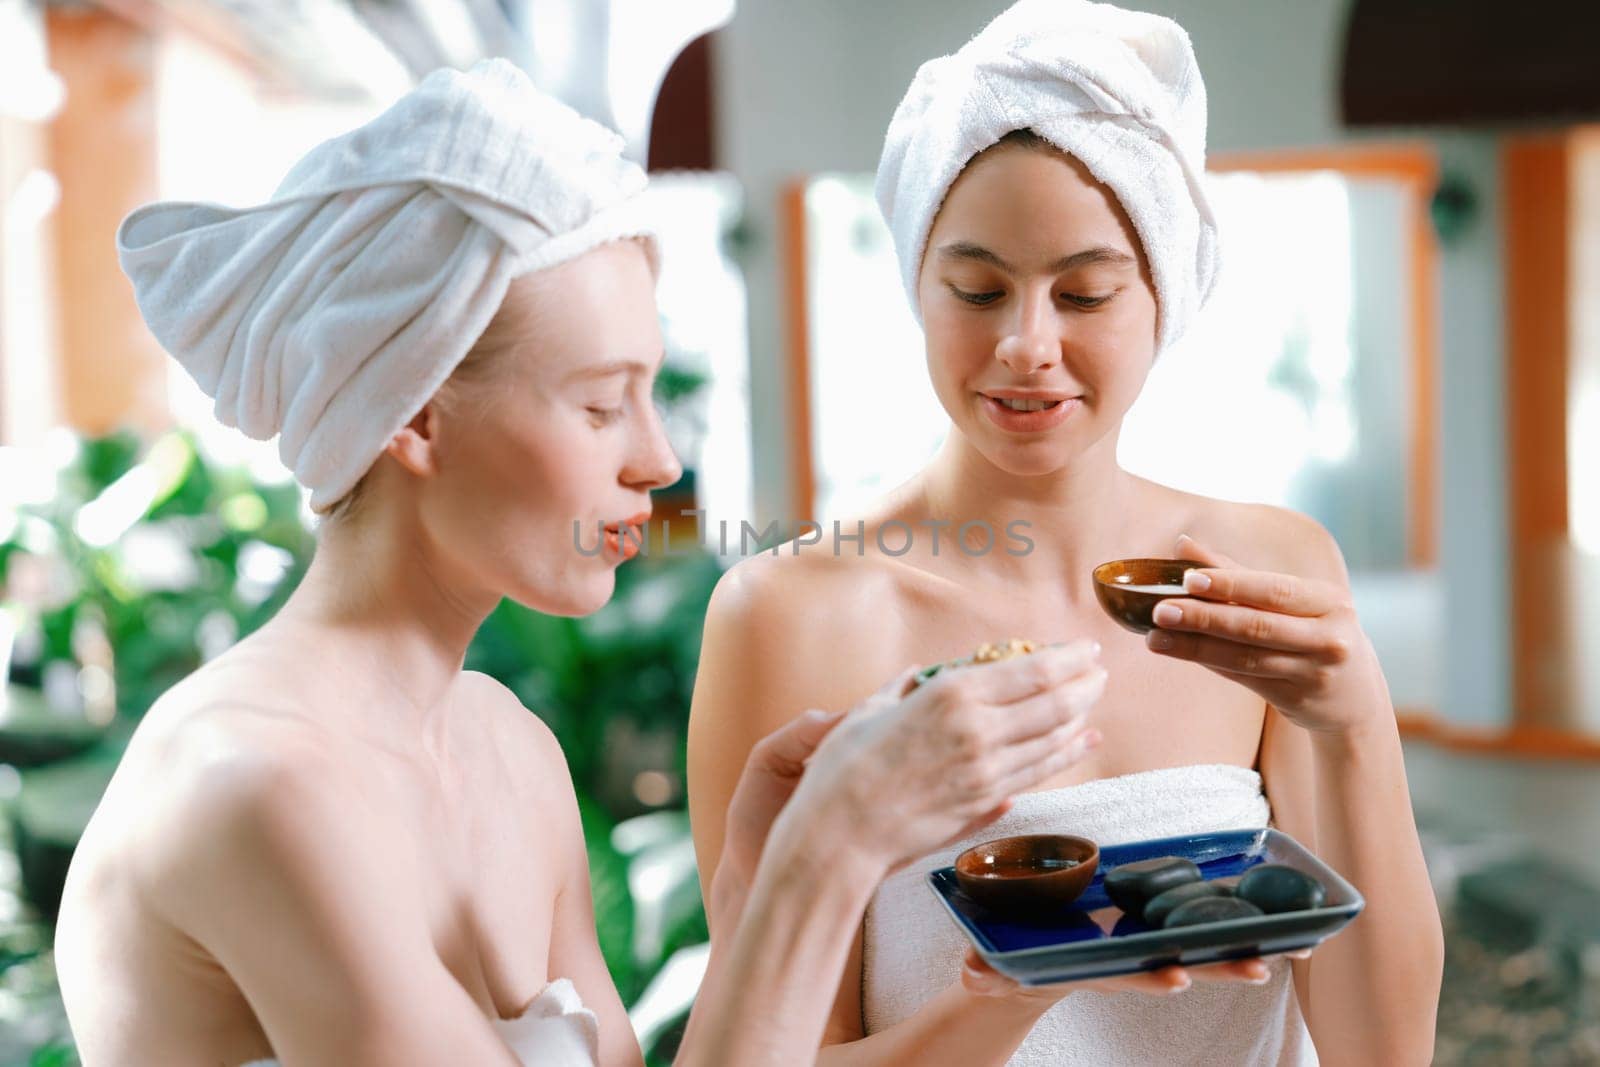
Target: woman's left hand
[
  {"x": 771, "y": 773},
  {"x": 1295, "y": 641}
]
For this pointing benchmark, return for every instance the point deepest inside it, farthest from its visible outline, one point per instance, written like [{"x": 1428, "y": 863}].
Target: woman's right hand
[{"x": 909, "y": 771}]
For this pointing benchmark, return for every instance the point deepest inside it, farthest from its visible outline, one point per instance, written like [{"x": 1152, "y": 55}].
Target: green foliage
[
  {"x": 194, "y": 519},
  {"x": 54, "y": 1055},
  {"x": 613, "y": 905}
]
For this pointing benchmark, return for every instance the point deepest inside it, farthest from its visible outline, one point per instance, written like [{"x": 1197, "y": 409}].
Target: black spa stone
[
  {"x": 1132, "y": 885},
  {"x": 1211, "y": 909},
  {"x": 1160, "y": 906},
  {"x": 1276, "y": 888}
]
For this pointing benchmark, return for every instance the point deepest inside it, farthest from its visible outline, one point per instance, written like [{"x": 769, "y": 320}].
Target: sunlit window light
[
  {"x": 646, "y": 37},
  {"x": 1583, "y": 466},
  {"x": 875, "y": 417}
]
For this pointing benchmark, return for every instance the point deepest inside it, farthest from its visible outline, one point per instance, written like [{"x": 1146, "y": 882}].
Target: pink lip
[
  {"x": 619, "y": 549},
  {"x": 1028, "y": 421},
  {"x": 1025, "y": 394}
]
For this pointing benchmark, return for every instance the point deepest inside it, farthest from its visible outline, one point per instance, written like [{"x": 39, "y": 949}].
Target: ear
[{"x": 415, "y": 447}]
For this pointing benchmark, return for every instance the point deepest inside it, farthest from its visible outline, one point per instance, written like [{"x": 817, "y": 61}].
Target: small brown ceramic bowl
[
  {"x": 1028, "y": 873},
  {"x": 1130, "y": 589}
]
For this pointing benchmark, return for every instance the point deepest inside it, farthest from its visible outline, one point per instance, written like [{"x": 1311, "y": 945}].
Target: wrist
[
  {"x": 730, "y": 888},
  {"x": 1016, "y": 1005},
  {"x": 803, "y": 841},
  {"x": 1356, "y": 738}
]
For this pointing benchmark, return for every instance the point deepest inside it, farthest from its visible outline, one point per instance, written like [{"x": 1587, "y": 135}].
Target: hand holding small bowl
[
  {"x": 1130, "y": 589},
  {"x": 1294, "y": 641}
]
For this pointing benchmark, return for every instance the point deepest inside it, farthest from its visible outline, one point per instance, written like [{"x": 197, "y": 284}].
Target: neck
[
  {"x": 389, "y": 613},
  {"x": 1076, "y": 516}
]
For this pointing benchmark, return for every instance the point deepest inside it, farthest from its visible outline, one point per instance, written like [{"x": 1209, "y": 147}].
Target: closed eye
[
  {"x": 1087, "y": 301},
  {"x": 976, "y": 298}
]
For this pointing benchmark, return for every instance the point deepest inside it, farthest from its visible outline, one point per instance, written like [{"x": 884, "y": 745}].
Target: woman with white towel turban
[
  {"x": 330, "y": 845},
  {"x": 1045, "y": 189}
]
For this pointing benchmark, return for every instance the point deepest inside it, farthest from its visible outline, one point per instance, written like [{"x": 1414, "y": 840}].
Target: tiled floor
[{"x": 1522, "y": 967}]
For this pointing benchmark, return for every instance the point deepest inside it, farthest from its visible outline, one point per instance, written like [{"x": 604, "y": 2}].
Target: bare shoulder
[
  {"x": 487, "y": 700},
  {"x": 1266, "y": 537},
  {"x": 223, "y": 781},
  {"x": 775, "y": 583},
  {"x": 533, "y": 772},
  {"x": 815, "y": 627}
]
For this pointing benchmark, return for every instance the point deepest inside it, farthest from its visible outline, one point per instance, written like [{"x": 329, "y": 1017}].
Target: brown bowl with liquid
[
  {"x": 1031, "y": 873},
  {"x": 1130, "y": 589}
]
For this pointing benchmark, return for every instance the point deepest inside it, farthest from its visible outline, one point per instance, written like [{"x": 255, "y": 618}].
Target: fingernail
[
  {"x": 1160, "y": 641},
  {"x": 1196, "y": 581},
  {"x": 1167, "y": 614}
]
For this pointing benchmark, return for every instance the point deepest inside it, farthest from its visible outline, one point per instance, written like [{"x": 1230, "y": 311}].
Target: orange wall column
[
  {"x": 103, "y": 153},
  {"x": 1537, "y": 193}
]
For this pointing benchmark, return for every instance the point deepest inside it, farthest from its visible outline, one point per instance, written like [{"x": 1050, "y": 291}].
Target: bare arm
[
  {"x": 271, "y": 876},
  {"x": 762, "y": 665},
  {"x": 1332, "y": 765},
  {"x": 574, "y": 943}
]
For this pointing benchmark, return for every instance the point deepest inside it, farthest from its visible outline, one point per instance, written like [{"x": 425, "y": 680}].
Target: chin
[
  {"x": 574, "y": 597},
  {"x": 1031, "y": 460}
]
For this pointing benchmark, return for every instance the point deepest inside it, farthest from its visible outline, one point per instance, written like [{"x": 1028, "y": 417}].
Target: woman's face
[
  {"x": 1035, "y": 295},
  {"x": 555, "y": 425}
]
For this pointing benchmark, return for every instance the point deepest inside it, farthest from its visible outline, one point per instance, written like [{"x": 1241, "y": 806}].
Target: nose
[
  {"x": 653, "y": 465},
  {"x": 1031, "y": 343}
]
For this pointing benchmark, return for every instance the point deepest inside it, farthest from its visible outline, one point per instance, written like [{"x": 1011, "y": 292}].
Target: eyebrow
[{"x": 966, "y": 250}]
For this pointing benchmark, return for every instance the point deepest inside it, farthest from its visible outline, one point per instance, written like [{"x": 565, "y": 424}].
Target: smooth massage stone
[
  {"x": 1132, "y": 885},
  {"x": 1156, "y": 912},
  {"x": 1211, "y": 910},
  {"x": 1275, "y": 888}
]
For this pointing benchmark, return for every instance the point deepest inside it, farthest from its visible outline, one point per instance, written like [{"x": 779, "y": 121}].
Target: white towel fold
[
  {"x": 332, "y": 313},
  {"x": 1118, "y": 90}
]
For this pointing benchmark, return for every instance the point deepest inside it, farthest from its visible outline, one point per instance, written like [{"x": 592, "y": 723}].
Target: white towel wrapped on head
[
  {"x": 1117, "y": 90},
  {"x": 332, "y": 313}
]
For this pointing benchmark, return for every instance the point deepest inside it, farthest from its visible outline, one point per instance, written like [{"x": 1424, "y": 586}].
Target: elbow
[
  {"x": 1396, "y": 1023},
  {"x": 1411, "y": 1036},
  {"x": 1410, "y": 1047}
]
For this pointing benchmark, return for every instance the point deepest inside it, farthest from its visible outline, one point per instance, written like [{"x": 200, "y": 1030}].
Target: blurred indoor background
[{"x": 1406, "y": 345}]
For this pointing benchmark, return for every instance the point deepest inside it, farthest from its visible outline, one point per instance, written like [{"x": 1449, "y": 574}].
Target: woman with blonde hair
[
  {"x": 1045, "y": 189},
  {"x": 332, "y": 845}
]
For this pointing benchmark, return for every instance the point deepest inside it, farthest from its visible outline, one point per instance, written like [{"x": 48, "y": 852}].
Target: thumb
[
  {"x": 979, "y": 978},
  {"x": 895, "y": 688},
  {"x": 1189, "y": 548},
  {"x": 788, "y": 747}
]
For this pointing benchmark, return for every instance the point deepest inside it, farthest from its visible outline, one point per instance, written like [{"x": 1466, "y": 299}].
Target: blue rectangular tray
[{"x": 1090, "y": 938}]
